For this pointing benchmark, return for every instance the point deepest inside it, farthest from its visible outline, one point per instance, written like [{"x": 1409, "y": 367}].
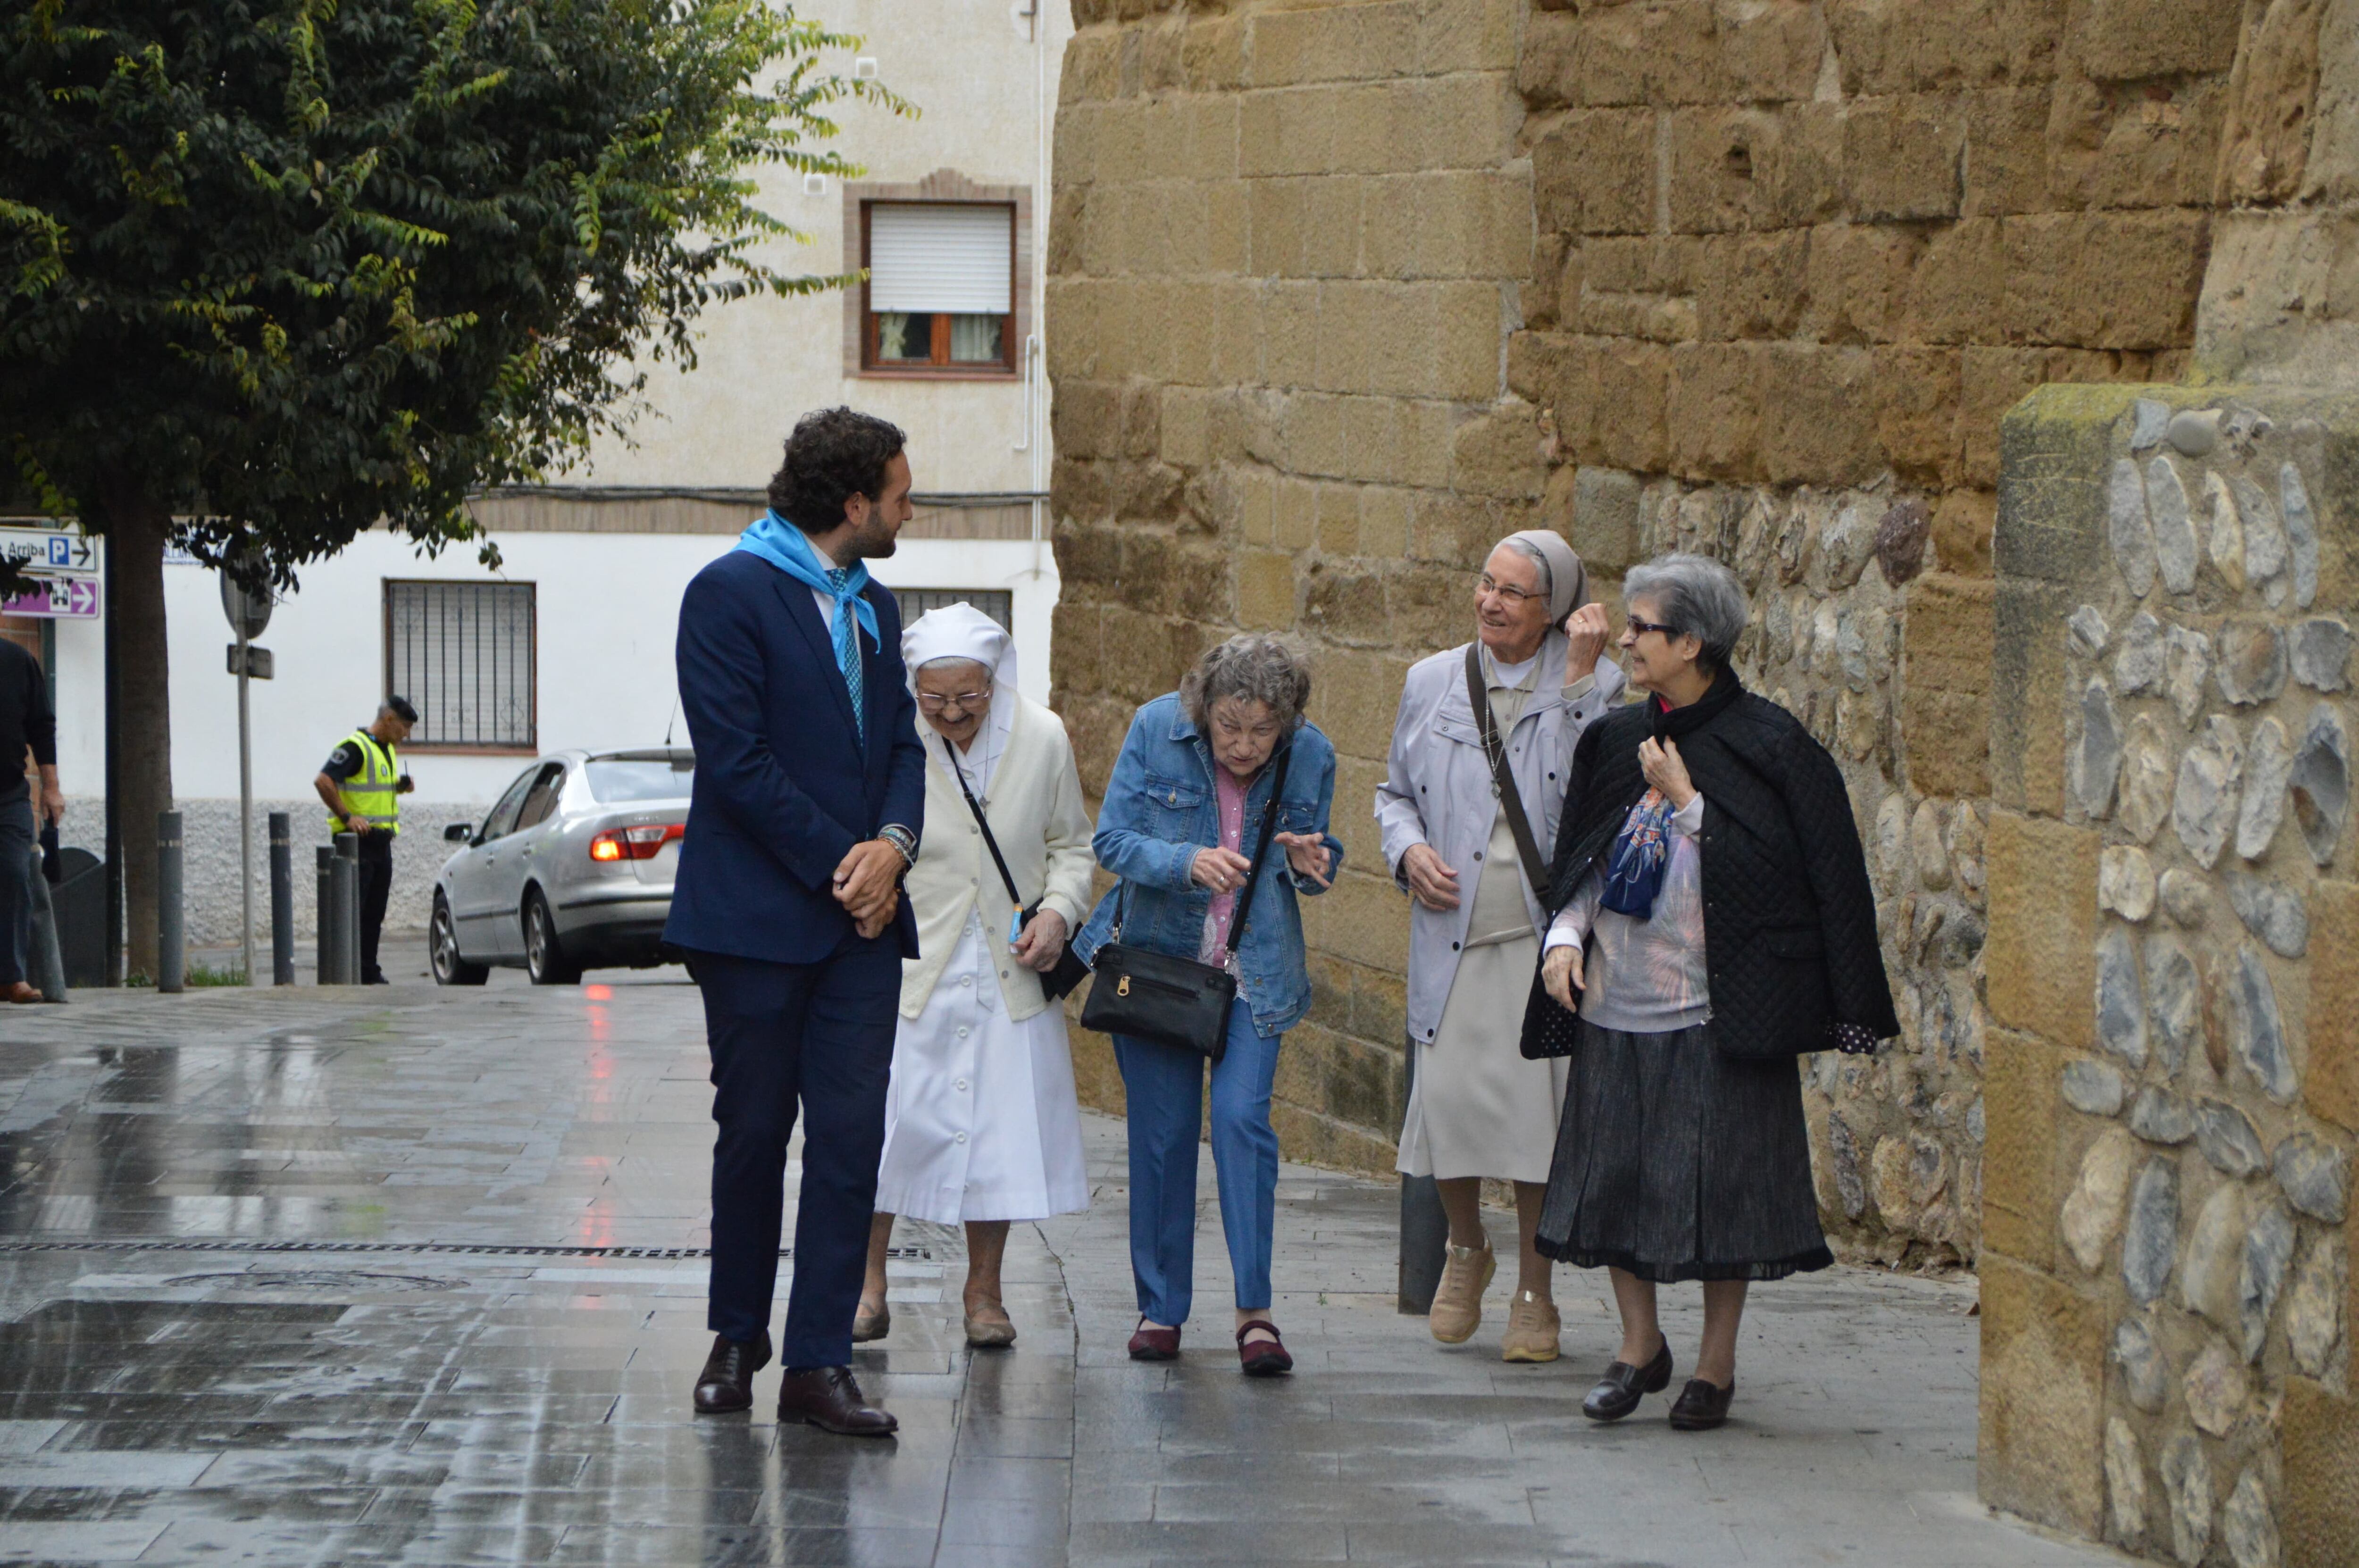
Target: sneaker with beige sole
[
  {"x": 1457, "y": 1300},
  {"x": 1533, "y": 1326}
]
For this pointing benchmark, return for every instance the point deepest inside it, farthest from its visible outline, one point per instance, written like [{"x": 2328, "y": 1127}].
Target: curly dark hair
[{"x": 834, "y": 454}]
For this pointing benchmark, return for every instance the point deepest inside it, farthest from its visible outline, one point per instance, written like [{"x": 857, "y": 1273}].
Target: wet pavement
[{"x": 415, "y": 1275}]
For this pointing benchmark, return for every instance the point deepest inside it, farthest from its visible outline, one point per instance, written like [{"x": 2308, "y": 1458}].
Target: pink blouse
[{"x": 1228, "y": 792}]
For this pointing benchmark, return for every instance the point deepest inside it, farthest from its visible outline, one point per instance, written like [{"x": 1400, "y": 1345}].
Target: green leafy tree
[{"x": 275, "y": 271}]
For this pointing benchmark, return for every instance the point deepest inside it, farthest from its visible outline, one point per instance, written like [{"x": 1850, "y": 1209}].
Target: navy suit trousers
[{"x": 820, "y": 1036}]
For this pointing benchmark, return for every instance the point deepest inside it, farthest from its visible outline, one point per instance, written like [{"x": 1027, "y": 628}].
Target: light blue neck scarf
[{"x": 788, "y": 548}]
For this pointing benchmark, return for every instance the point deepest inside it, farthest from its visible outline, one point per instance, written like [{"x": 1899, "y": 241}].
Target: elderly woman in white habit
[
  {"x": 1458, "y": 775},
  {"x": 980, "y": 1123}
]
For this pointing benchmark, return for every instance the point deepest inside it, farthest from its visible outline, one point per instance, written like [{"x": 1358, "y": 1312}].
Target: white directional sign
[
  {"x": 52, "y": 552},
  {"x": 61, "y": 571}
]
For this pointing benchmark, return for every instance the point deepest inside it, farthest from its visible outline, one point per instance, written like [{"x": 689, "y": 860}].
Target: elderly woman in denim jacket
[{"x": 1188, "y": 794}]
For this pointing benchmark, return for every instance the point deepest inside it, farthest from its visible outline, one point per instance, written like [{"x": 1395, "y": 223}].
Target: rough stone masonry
[{"x": 1341, "y": 292}]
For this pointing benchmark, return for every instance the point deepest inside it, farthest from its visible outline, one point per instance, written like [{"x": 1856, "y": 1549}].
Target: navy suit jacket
[{"x": 784, "y": 787}]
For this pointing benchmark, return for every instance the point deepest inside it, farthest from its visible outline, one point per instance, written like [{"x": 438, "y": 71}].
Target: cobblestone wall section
[{"x": 2174, "y": 1046}]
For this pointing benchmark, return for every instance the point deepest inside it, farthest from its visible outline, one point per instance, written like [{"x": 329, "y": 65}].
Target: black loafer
[
  {"x": 1617, "y": 1393},
  {"x": 1701, "y": 1406},
  {"x": 727, "y": 1384}
]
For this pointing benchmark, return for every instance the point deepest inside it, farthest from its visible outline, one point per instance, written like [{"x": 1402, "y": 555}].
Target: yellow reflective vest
[{"x": 369, "y": 793}]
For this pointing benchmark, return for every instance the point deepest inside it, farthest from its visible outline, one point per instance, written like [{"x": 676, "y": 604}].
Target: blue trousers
[
  {"x": 820, "y": 1036},
  {"x": 1165, "y": 1088}
]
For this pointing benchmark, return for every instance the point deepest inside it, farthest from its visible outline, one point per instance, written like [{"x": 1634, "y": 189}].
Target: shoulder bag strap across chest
[
  {"x": 989, "y": 841},
  {"x": 1503, "y": 781}
]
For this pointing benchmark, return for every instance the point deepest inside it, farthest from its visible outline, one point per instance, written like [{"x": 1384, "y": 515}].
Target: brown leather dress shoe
[
  {"x": 829, "y": 1398},
  {"x": 727, "y": 1382},
  {"x": 23, "y": 991}
]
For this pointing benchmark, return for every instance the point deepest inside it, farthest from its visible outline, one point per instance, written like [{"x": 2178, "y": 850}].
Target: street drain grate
[
  {"x": 338, "y": 1279},
  {"x": 402, "y": 1249}
]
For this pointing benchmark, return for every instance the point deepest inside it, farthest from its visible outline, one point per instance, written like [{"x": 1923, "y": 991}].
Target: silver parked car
[{"x": 571, "y": 870}]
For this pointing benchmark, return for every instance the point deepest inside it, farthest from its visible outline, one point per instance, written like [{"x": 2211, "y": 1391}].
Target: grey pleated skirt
[{"x": 1676, "y": 1163}]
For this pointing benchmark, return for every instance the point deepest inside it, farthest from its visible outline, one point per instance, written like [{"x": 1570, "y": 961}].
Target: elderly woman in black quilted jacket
[{"x": 1713, "y": 922}]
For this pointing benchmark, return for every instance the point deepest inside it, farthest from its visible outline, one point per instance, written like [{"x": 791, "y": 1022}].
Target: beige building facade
[
  {"x": 984, "y": 77},
  {"x": 1340, "y": 293}
]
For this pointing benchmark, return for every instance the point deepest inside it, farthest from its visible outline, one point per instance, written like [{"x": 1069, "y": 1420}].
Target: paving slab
[{"x": 414, "y": 1275}]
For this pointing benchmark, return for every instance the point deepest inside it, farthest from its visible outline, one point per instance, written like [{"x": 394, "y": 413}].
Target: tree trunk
[{"x": 140, "y": 730}]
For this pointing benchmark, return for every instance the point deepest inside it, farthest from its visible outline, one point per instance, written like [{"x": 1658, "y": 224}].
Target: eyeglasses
[
  {"x": 1515, "y": 598},
  {"x": 967, "y": 701},
  {"x": 1640, "y": 628}
]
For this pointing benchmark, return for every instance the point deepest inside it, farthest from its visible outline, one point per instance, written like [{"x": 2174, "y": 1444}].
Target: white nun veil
[{"x": 961, "y": 631}]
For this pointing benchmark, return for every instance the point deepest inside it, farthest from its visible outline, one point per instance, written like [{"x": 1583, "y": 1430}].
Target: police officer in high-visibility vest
[{"x": 361, "y": 785}]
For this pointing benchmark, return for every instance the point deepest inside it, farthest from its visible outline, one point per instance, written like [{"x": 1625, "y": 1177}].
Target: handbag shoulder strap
[
  {"x": 1261, "y": 851},
  {"x": 989, "y": 842},
  {"x": 1503, "y": 782}
]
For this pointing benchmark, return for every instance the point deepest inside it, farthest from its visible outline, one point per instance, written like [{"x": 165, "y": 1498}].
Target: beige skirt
[{"x": 1476, "y": 1107}]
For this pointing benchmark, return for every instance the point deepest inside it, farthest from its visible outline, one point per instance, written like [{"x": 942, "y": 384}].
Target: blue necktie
[{"x": 847, "y": 653}]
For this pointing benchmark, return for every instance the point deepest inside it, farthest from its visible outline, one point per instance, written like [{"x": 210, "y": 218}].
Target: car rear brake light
[{"x": 640, "y": 843}]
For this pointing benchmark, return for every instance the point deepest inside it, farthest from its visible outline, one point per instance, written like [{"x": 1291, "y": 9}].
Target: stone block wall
[
  {"x": 2173, "y": 1045},
  {"x": 1792, "y": 262},
  {"x": 1283, "y": 255},
  {"x": 1341, "y": 290}
]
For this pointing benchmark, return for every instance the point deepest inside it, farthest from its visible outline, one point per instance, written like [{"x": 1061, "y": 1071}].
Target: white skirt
[
  {"x": 1476, "y": 1107},
  {"x": 981, "y": 1121}
]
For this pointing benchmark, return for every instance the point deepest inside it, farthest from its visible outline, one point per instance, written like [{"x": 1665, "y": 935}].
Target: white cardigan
[{"x": 1035, "y": 808}]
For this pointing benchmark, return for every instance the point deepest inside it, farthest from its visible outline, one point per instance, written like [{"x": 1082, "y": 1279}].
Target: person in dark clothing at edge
[
  {"x": 25, "y": 721},
  {"x": 360, "y": 784}
]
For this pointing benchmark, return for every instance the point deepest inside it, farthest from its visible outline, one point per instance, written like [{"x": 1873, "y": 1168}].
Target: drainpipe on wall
[{"x": 1029, "y": 14}]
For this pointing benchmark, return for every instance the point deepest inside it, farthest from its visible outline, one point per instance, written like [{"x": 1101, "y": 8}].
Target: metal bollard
[
  {"x": 348, "y": 909},
  {"x": 171, "y": 949},
  {"x": 282, "y": 900},
  {"x": 330, "y": 966},
  {"x": 1424, "y": 1235},
  {"x": 48, "y": 962}
]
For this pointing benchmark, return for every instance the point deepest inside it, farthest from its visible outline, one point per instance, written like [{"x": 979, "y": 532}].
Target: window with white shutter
[{"x": 942, "y": 284}]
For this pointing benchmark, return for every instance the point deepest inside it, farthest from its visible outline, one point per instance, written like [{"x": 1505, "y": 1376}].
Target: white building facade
[{"x": 569, "y": 642}]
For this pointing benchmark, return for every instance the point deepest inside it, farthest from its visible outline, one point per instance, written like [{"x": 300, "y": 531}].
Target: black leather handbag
[
  {"x": 1172, "y": 1001},
  {"x": 1069, "y": 971},
  {"x": 1549, "y": 1029}
]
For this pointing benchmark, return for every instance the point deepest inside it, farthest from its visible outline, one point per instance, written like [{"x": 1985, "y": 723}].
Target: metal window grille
[
  {"x": 462, "y": 652},
  {"x": 999, "y": 604}
]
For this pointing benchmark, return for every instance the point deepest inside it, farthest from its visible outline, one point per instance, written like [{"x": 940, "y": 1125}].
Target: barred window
[
  {"x": 462, "y": 653},
  {"x": 999, "y": 604}
]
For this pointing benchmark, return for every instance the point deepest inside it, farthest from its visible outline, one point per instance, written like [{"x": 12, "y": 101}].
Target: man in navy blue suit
[{"x": 808, "y": 799}]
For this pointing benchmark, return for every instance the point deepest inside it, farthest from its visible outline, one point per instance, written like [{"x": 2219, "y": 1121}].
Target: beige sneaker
[
  {"x": 1457, "y": 1298},
  {"x": 1532, "y": 1329}
]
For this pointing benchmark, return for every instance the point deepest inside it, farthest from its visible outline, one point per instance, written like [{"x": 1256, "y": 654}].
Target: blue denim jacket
[{"x": 1160, "y": 809}]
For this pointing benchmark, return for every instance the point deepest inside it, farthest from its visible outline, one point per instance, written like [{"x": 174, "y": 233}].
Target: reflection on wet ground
[{"x": 416, "y": 1276}]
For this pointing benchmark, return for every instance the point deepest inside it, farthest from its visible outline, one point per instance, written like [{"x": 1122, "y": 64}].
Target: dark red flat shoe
[
  {"x": 1154, "y": 1344},
  {"x": 1263, "y": 1357}
]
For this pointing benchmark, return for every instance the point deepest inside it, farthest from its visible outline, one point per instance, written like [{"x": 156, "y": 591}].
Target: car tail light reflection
[{"x": 640, "y": 843}]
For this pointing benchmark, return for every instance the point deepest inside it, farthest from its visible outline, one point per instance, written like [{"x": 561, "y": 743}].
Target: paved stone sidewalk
[{"x": 410, "y": 1276}]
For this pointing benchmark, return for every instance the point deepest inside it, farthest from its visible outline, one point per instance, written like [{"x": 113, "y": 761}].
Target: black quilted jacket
[{"x": 1789, "y": 919}]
